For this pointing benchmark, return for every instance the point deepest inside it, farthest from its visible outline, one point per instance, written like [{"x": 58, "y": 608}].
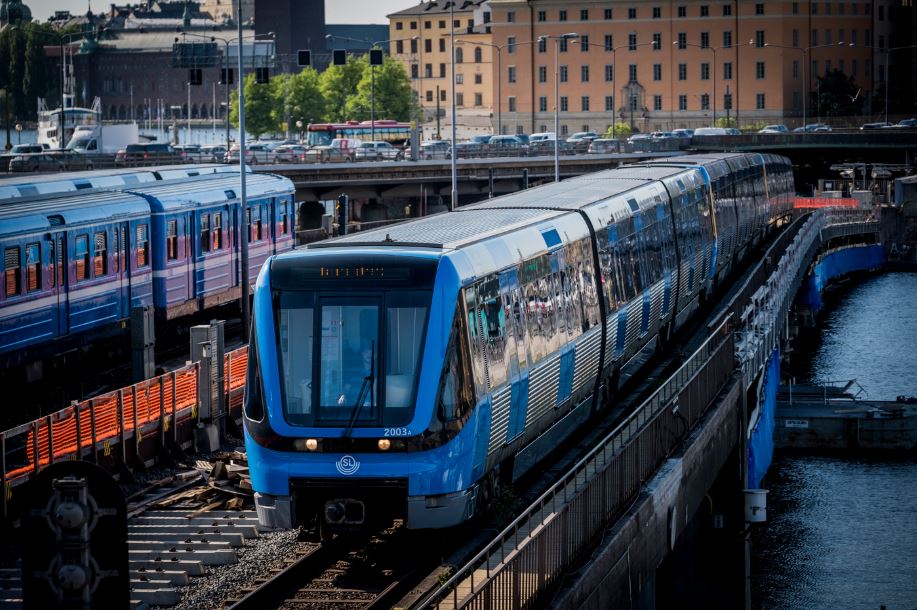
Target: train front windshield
[{"x": 350, "y": 358}]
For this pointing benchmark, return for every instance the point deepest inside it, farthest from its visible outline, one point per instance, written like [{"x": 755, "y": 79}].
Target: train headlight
[
  {"x": 305, "y": 444},
  {"x": 384, "y": 444}
]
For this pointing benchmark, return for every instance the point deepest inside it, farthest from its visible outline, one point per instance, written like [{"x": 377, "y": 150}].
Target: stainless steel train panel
[
  {"x": 499, "y": 419},
  {"x": 543, "y": 382},
  {"x": 586, "y": 359}
]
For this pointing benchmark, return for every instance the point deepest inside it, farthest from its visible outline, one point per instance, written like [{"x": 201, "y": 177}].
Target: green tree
[
  {"x": 393, "y": 96},
  {"x": 298, "y": 97},
  {"x": 724, "y": 122},
  {"x": 259, "y": 104},
  {"x": 338, "y": 84},
  {"x": 16, "y": 72},
  {"x": 35, "y": 80},
  {"x": 837, "y": 95},
  {"x": 622, "y": 131}
]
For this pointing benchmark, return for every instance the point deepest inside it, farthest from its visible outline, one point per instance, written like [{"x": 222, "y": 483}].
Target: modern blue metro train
[
  {"x": 75, "y": 263},
  {"x": 407, "y": 372}
]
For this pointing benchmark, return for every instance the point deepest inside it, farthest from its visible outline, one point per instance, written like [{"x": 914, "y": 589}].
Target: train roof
[
  {"x": 43, "y": 213},
  {"x": 69, "y": 182},
  {"x": 192, "y": 192}
]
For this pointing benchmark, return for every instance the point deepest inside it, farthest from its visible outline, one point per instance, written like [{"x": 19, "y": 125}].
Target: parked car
[
  {"x": 340, "y": 149},
  {"x": 582, "y": 135},
  {"x": 637, "y": 137},
  {"x": 24, "y": 149},
  {"x": 772, "y": 129},
  {"x": 49, "y": 161},
  {"x": 881, "y": 125},
  {"x": 544, "y": 135},
  {"x": 604, "y": 145},
  {"x": 432, "y": 149},
  {"x": 189, "y": 153},
  {"x": 507, "y": 146},
  {"x": 213, "y": 153},
  {"x": 813, "y": 127},
  {"x": 546, "y": 147},
  {"x": 290, "y": 153},
  {"x": 683, "y": 133},
  {"x": 378, "y": 151},
  {"x": 905, "y": 123},
  {"x": 662, "y": 135},
  {"x": 147, "y": 154},
  {"x": 710, "y": 131},
  {"x": 468, "y": 150},
  {"x": 524, "y": 138},
  {"x": 254, "y": 154},
  {"x": 482, "y": 138}
]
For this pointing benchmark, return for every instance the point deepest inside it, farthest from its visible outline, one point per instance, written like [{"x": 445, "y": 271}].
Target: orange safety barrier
[{"x": 825, "y": 202}]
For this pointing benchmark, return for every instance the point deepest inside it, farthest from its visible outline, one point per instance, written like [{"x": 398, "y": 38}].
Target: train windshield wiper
[{"x": 365, "y": 389}]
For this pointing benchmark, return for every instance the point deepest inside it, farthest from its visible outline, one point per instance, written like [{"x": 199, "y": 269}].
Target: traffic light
[
  {"x": 339, "y": 57},
  {"x": 262, "y": 75},
  {"x": 227, "y": 76},
  {"x": 195, "y": 76},
  {"x": 375, "y": 57},
  {"x": 304, "y": 58}
]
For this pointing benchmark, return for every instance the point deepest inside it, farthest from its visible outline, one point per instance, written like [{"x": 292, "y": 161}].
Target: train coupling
[{"x": 345, "y": 511}]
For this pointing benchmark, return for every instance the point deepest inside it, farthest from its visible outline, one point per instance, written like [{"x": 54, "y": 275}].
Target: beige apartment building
[
  {"x": 668, "y": 64},
  {"x": 420, "y": 39}
]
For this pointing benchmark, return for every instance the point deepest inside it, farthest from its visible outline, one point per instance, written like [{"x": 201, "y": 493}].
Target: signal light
[
  {"x": 339, "y": 57},
  {"x": 304, "y": 58}
]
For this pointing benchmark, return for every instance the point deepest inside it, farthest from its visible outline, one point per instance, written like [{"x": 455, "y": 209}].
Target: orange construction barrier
[{"x": 825, "y": 202}]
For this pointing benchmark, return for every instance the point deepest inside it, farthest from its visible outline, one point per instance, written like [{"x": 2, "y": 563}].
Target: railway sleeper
[
  {"x": 219, "y": 557},
  {"x": 245, "y": 531},
  {"x": 191, "y": 567}
]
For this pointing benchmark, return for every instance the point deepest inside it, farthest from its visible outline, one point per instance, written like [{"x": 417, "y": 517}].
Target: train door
[
  {"x": 122, "y": 266},
  {"x": 60, "y": 280},
  {"x": 187, "y": 229}
]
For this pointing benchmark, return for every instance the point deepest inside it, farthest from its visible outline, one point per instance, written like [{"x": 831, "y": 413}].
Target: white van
[{"x": 710, "y": 131}]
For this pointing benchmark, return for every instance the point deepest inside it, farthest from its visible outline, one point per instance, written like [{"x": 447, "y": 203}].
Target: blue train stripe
[{"x": 565, "y": 387}]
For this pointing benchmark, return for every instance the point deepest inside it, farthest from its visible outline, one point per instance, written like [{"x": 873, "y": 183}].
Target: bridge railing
[
  {"x": 533, "y": 551},
  {"x": 134, "y": 423}
]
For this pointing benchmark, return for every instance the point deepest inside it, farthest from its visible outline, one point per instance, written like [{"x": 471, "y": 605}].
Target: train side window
[
  {"x": 283, "y": 218},
  {"x": 469, "y": 295},
  {"x": 100, "y": 254},
  {"x": 205, "y": 233},
  {"x": 258, "y": 230},
  {"x": 82, "y": 257},
  {"x": 32, "y": 267},
  {"x": 172, "y": 240},
  {"x": 143, "y": 246},
  {"x": 12, "y": 271},
  {"x": 456, "y": 392},
  {"x": 54, "y": 263},
  {"x": 494, "y": 328},
  {"x": 218, "y": 231}
]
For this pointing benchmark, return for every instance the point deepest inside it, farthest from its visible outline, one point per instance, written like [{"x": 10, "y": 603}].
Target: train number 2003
[{"x": 396, "y": 432}]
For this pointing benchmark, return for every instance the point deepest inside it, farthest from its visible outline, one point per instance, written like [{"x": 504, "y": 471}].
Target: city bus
[{"x": 397, "y": 134}]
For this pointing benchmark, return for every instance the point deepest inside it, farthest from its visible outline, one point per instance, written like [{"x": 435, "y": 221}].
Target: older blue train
[
  {"x": 77, "y": 258},
  {"x": 406, "y": 372}
]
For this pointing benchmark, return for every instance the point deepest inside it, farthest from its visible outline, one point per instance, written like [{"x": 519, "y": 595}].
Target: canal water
[{"x": 842, "y": 530}]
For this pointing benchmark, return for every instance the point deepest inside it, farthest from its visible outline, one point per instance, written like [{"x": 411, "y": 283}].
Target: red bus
[{"x": 321, "y": 134}]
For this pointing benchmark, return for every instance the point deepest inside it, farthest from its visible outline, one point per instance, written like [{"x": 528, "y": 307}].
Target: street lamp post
[
  {"x": 557, "y": 39},
  {"x": 888, "y": 72},
  {"x": 499, "y": 49},
  {"x": 714, "y": 50}
]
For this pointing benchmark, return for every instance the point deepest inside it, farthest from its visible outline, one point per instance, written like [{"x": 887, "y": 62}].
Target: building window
[
  {"x": 815, "y": 8},
  {"x": 853, "y": 68},
  {"x": 584, "y": 103},
  {"x": 510, "y": 44},
  {"x": 705, "y": 71},
  {"x": 428, "y": 70},
  {"x": 705, "y": 40},
  {"x": 442, "y": 70},
  {"x": 564, "y": 104},
  {"x": 682, "y": 102},
  {"x": 542, "y": 74},
  {"x": 609, "y": 45},
  {"x": 682, "y": 71},
  {"x": 564, "y": 130},
  {"x": 727, "y": 101},
  {"x": 759, "y": 8},
  {"x": 841, "y": 35},
  {"x": 795, "y": 38},
  {"x": 563, "y": 74},
  {"x": 429, "y": 96},
  {"x": 631, "y": 42},
  {"x": 608, "y": 13},
  {"x": 828, "y": 10},
  {"x": 511, "y": 74},
  {"x": 172, "y": 240},
  {"x": 584, "y": 73},
  {"x": 657, "y": 41},
  {"x": 727, "y": 70},
  {"x": 427, "y": 25},
  {"x": 829, "y": 38},
  {"x": 143, "y": 245},
  {"x": 682, "y": 11},
  {"x": 727, "y": 39},
  {"x": 32, "y": 268},
  {"x": 727, "y": 10},
  {"x": 759, "y": 38},
  {"x": 609, "y": 73},
  {"x": 542, "y": 104},
  {"x": 511, "y": 103},
  {"x": 609, "y": 103},
  {"x": 479, "y": 99},
  {"x": 584, "y": 14},
  {"x": 562, "y": 15},
  {"x": 657, "y": 71},
  {"x": 442, "y": 95},
  {"x": 657, "y": 12},
  {"x": 759, "y": 70},
  {"x": 814, "y": 68},
  {"x": 542, "y": 16},
  {"x": 478, "y": 55},
  {"x": 413, "y": 25},
  {"x": 584, "y": 43},
  {"x": 632, "y": 73},
  {"x": 442, "y": 24},
  {"x": 682, "y": 40},
  {"x": 564, "y": 43},
  {"x": 814, "y": 38},
  {"x": 795, "y": 8},
  {"x": 459, "y": 55},
  {"x": 459, "y": 79},
  {"x": 205, "y": 233},
  {"x": 542, "y": 45},
  {"x": 399, "y": 47},
  {"x": 657, "y": 102},
  {"x": 704, "y": 10},
  {"x": 705, "y": 101},
  {"x": 632, "y": 13},
  {"x": 399, "y": 25},
  {"x": 511, "y": 16},
  {"x": 795, "y": 69},
  {"x": 100, "y": 253},
  {"x": 442, "y": 45},
  {"x": 759, "y": 101},
  {"x": 12, "y": 270}
]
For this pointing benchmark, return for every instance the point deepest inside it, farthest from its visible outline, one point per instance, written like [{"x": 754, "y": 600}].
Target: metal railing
[
  {"x": 541, "y": 543},
  {"x": 136, "y": 422}
]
